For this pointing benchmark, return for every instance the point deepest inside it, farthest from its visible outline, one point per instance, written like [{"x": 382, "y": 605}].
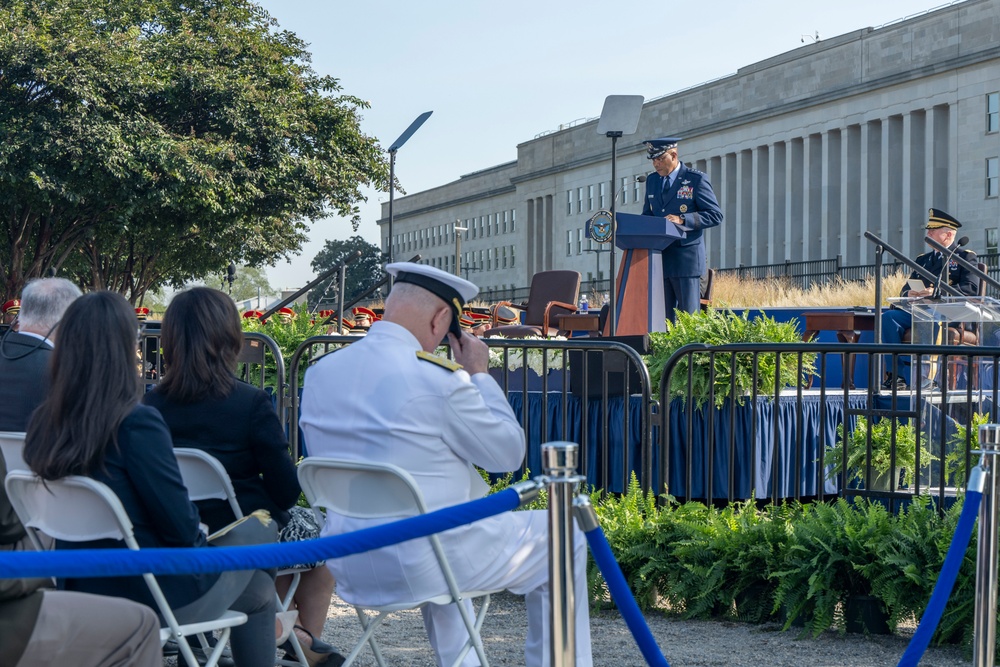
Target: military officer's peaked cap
[
  {"x": 657, "y": 147},
  {"x": 455, "y": 291},
  {"x": 12, "y": 306},
  {"x": 937, "y": 219}
]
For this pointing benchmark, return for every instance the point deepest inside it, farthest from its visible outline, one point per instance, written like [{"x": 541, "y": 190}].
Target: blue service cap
[{"x": 657, "y": 147}]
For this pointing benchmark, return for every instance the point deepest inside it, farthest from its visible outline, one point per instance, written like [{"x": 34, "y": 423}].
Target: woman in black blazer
[
  {"x": 92, "y": 424},
  {"x": 207, "y": 408}
]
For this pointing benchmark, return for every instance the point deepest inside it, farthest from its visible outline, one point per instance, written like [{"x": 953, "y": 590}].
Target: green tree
[
  {"x": 361, "y": 274},
  {"x": 143, "y": 140}
]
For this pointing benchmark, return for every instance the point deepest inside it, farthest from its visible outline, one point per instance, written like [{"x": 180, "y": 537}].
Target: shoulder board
[
  {"x": 692, "y": 170},
  {"x": 439, "y": 361}
]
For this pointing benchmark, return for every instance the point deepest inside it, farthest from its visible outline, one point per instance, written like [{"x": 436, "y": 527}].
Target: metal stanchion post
[
  {"x": 559, "y": 462},
  {"x": 985, "y": 619}
]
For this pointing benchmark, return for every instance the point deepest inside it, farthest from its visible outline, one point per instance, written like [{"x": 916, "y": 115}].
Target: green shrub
[
  {"x": 881, "y": 451},
  {"x": 716, "y": 327}
]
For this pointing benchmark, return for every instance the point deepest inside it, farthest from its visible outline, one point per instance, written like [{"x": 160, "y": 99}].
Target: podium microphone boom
[{"x": 944, "y": 269}]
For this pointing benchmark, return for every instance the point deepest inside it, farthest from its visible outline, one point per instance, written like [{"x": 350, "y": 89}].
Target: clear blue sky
[{"x": 496, "y": 74}]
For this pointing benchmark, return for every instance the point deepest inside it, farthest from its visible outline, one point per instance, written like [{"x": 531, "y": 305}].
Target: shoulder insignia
[{"x": 439, "y": 361}]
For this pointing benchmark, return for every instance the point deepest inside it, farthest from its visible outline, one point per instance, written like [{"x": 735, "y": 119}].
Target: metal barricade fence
[
  {"x": 720, "y": 444},
  {"x": 584, "y": 390}
]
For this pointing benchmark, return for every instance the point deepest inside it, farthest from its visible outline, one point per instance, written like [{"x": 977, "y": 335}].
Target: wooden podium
[{"x": 639, "y": 301}]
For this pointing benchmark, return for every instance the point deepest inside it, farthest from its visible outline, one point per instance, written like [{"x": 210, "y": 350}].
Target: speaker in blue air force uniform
[{"x": 684, "y": 197}]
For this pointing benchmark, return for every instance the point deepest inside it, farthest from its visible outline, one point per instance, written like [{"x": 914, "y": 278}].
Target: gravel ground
[{"x": 684, "y": 643}]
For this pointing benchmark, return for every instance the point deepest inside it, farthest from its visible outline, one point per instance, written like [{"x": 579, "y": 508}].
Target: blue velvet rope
[
  {"x": 122, "y": 562},
  {"x": 946, "y": 581},
  {"x": 622, "y": 596}
]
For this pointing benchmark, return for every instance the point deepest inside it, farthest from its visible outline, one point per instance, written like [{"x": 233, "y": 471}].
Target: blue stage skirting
[
  {"x": 819, "y": 430},
  {"x": 756, "y": 462},
  {"x": 612, "y": 476}
]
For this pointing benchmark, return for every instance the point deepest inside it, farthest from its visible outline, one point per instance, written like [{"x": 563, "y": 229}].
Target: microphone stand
[
  {"x": 936, "y": 294},
  {"x": 971, "y": 268}
]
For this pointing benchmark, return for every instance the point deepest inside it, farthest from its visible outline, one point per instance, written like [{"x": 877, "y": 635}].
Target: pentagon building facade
[{"x": 806, "y": 151}]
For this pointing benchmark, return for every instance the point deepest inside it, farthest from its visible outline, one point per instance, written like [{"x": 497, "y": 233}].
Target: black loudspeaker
[{"x": 606, "y": 368}]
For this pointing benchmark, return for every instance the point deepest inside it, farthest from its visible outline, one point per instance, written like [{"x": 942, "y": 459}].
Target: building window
[
  {"x": 991, "y": 240},
  {"x": 481, "y": 253},
  {"x": 624, "y": 189},
  {"x": 505, "y": 257},
  {"x": 579, "y": 241},
  {"x": 506, "y": 222},
  {"x": 513, "y": 221},
  {"x": 636, "y": 195},
  {"x": 993, "y": 112},
  {"x": 579, "y": 200},
  {"x": 496, "y": 224},
  {"x": 590, "y": 197},
  {"x": 992, "y": 176},
  {"x": 602, "y": 195},
  {"x": 569, "y": 202},
  {"x": 569, "y": 242},
  {"x": 512, "y": 257},
  {"x": 489, "y": 259}
]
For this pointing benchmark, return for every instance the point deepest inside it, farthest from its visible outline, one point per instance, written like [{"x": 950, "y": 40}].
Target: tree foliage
[
  {"x": 361, "y": 274},
  {"x": 146, "y": 142}
]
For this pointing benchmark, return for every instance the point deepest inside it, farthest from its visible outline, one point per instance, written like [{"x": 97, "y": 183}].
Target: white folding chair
[
  {"x": 206, "y": 478},
  {"x": 377, "y": 491},
  {"x": 12, "y": 447},
  {"x": 80, "y": 509}
]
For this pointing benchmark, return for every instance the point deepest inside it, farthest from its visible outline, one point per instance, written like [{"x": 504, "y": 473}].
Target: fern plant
[
  {"x": 823, "y": 562},
  {"x": 726, "y": 374},
  {"x": 886, "y": 459},
  {"x": 961, "y": 442}
]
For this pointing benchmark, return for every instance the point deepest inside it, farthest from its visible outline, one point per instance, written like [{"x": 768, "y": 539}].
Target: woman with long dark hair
[
  {"x": 207, "y": 408},
  {"x": 92, "y": 424}
]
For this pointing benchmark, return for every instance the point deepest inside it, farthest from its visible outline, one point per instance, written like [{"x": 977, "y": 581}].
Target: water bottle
[{"x": 584, "y": 306}]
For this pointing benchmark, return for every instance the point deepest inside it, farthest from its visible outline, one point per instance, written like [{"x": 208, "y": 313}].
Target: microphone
[
  {"x": 944, "y": 269},
  {"x": 641, "y": 178}
]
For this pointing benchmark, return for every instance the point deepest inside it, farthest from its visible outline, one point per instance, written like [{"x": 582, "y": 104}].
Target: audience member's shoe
[
  {"x": 286, "y": 620},
  {"x": 171, "y": 648},
  {"x": 317, "y": 651}
]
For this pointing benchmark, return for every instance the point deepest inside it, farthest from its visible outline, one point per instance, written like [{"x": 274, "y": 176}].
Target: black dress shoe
[{"x": 894, "y": 382}]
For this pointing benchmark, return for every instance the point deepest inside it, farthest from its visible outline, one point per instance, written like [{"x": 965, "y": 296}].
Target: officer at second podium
[
  {"x": 684, "y": 197},
  {"x": 895, "y": 323}
]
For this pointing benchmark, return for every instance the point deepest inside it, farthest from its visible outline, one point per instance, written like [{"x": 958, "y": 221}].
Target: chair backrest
[
  {"x": 548, "y": 286},
  {"x": 74, "y": 508},
  {"x": 12, "y": 447},
  {"x": 205, "y": 477},
  {"x": 359, "y": 489}
]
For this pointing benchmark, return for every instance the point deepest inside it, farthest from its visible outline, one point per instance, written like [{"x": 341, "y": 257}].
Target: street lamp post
[
  {"x": 396, "y": 145},
  {"x": 458, "y": 247}
]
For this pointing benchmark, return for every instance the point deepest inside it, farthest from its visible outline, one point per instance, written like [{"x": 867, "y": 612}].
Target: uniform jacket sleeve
[
  {"x": 707, "y": 211},
  {"x": 479, "y": 425}
]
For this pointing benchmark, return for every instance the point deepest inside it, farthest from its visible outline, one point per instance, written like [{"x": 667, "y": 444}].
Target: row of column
[
  {"x": 813, "y": 197},
  {"x": 540, "y": 235}
]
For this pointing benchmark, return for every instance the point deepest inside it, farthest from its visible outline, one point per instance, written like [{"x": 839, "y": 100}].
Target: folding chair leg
[
  {"x": 368, "y": 636},
  {"x": 475, "y": 641}
]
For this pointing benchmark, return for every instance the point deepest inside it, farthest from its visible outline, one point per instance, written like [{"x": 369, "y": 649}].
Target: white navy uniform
[{"x": 437, "y": 423}]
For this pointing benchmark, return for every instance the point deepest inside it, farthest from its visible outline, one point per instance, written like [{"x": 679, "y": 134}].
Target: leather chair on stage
[{"x": 551, "y": 293}]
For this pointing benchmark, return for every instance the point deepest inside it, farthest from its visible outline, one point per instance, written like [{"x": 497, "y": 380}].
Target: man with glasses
[{"x": 684, "y": 197}]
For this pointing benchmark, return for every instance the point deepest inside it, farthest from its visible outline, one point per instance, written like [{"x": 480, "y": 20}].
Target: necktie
[{"x": 666, "y": 183}]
